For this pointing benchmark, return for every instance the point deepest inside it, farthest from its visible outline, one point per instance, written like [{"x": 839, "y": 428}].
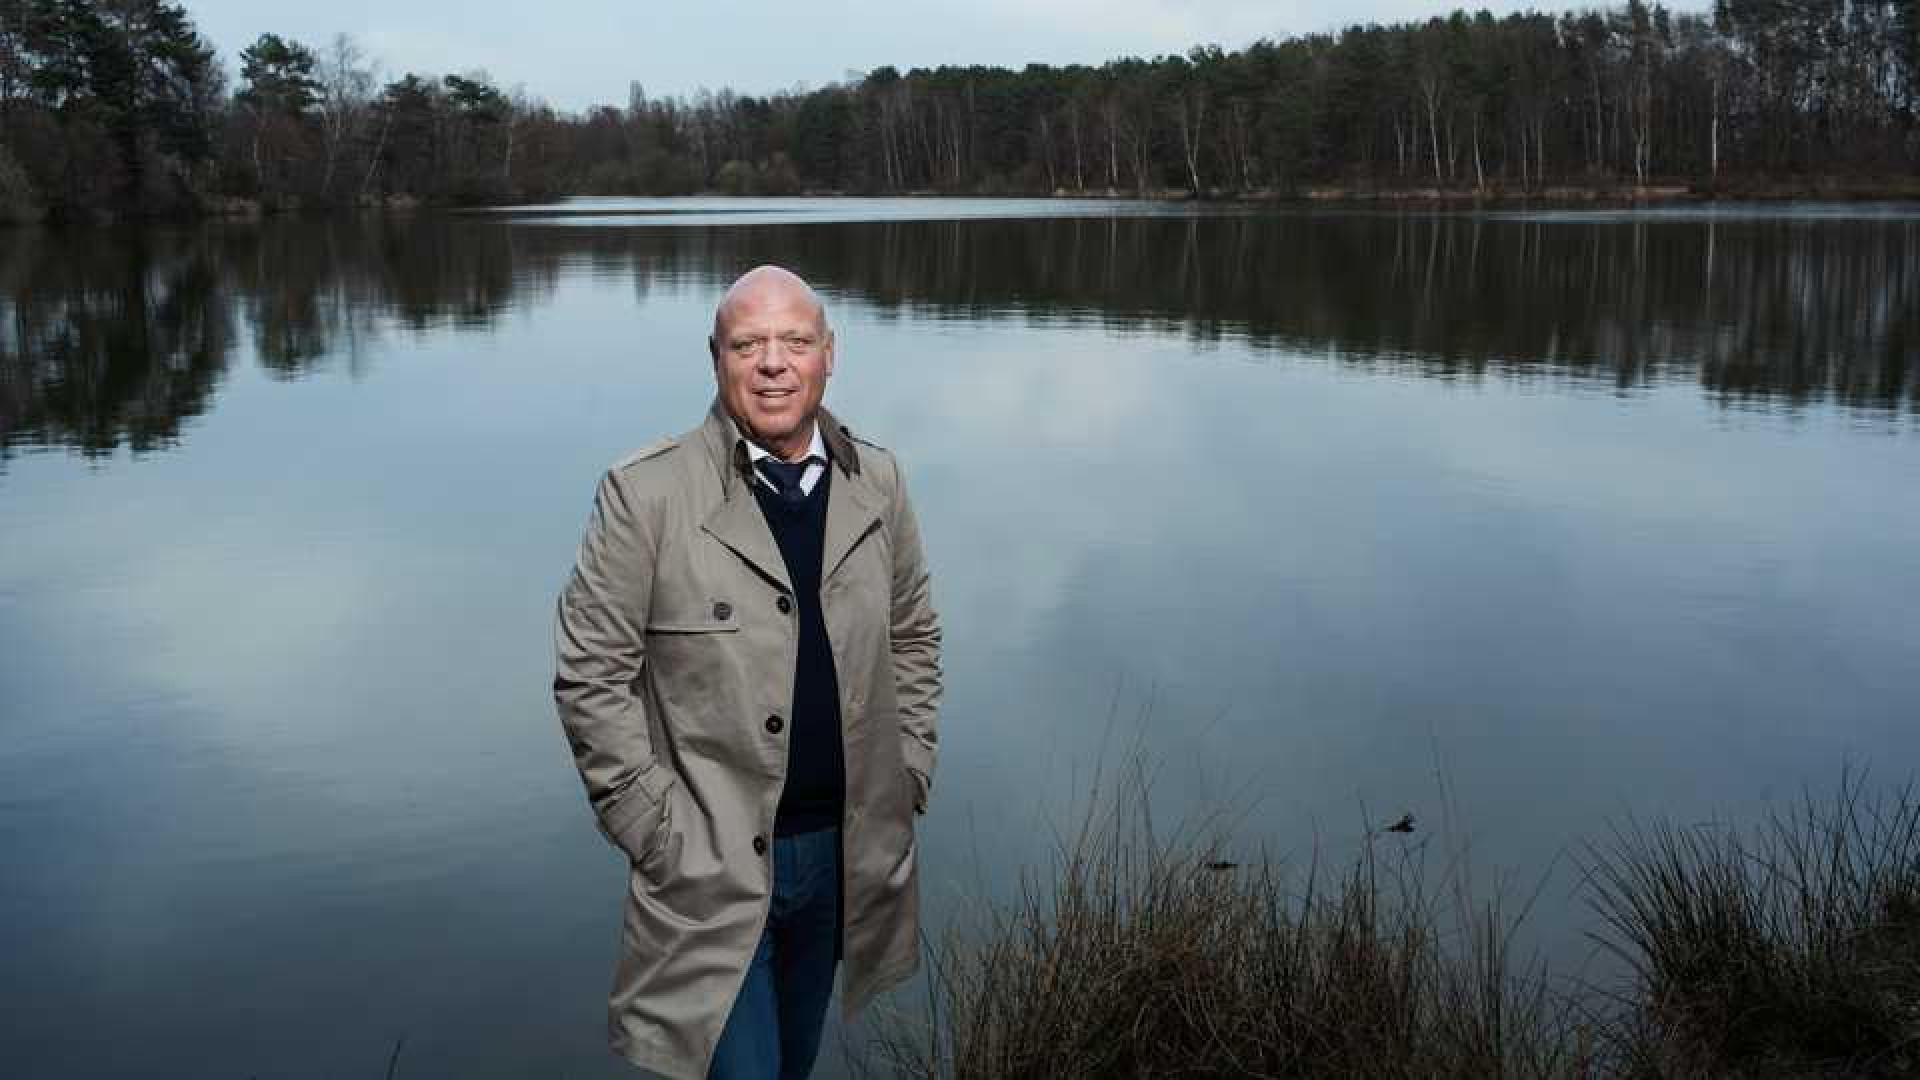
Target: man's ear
[{"x": 829, "y": 365}]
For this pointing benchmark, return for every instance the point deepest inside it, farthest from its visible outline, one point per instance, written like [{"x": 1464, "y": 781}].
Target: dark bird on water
[
  {"x": 1404, "y": 825},
  {"x": 1221, "y": 865}
]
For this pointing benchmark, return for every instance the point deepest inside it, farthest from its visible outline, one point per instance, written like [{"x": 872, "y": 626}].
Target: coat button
[
  {"x": 759, "y": 845},
  {"x": 722, "y": 610},
  {"x": 774, "y": 724},
  {"x": 785, "y": 605}
]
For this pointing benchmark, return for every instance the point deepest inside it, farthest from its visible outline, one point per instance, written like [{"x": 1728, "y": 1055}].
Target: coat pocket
[
  {"x": 662, "y": 850},
  {"x": 654, "y": 823},
  {"x": 691, "y": 626},
  {"x": 694, "y": 661}
]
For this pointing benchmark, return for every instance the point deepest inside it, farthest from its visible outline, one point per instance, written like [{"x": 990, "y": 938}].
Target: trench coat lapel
[
  {"x": 738, "y": 523},
  {"x": 853, "y": 507},
  {"x": 853, "y": 511}
]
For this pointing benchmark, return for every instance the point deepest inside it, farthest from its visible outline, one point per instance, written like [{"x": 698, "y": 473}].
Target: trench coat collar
[{"x": 853, "y": 507}]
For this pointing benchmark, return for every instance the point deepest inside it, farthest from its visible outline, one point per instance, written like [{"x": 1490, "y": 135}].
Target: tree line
[{"x": 119, "y": 106}]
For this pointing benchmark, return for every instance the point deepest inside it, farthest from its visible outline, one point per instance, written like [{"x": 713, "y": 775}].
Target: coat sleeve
[
  {"x": 600, "y": 645},
  {"x": 915, "y": 642}
]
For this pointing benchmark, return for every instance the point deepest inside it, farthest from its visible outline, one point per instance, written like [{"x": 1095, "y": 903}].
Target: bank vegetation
[
  {"x": 1788, "y": 949},
  {"x": 118, "y": 107}
]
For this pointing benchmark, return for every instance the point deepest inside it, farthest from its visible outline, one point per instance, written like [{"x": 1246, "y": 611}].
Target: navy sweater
[{"x": 816, "y": 781}]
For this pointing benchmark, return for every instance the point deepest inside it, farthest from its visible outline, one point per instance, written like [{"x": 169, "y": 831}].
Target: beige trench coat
[{"x": 675, "y": 648}]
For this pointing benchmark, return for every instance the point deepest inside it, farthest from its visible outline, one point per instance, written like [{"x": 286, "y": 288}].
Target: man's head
[{"x": 772, "y": 352}]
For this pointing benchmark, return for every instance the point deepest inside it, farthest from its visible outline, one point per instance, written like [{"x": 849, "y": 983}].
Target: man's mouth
[{"x": 772, "y": 393}]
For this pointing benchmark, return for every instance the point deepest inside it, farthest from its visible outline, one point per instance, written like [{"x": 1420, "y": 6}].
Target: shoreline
[{"x": 237, "y": 208}]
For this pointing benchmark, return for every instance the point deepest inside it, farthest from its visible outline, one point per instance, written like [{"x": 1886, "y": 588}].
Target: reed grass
[
  {"x": 1791, "y": 949},
  {"x": 1788, "y": 949},
  {"x": 1152, "y": 956}
]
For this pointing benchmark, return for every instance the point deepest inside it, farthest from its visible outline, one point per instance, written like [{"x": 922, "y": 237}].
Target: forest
[{"x": 120, "y": 108}]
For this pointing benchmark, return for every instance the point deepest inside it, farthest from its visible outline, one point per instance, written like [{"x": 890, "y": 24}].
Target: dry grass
[
  {"x": 1791, "y": 949},
  {"x": 1145, "y": 956}
]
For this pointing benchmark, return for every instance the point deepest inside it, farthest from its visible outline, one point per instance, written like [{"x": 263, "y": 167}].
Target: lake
[{"x": 1522, "y": 521}]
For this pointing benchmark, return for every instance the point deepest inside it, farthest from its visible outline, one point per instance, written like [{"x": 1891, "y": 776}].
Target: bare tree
[
  {"x": 1073, "y": 124},
  {"x": 347, "y": 78},
  {"x": 517, "y": 108},
  {"x": 1189, "y": 107},
  {"x": 1430, "y": 70}
]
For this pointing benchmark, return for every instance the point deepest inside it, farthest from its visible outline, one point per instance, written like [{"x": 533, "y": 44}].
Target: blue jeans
[{"x": 773, "y": 1032}]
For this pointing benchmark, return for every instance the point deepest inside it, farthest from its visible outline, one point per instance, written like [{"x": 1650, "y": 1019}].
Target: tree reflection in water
[{"x": 112, "y": 338}]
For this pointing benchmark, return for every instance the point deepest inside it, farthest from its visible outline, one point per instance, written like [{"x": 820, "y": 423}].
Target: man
[{"x": 748, "y": 672}]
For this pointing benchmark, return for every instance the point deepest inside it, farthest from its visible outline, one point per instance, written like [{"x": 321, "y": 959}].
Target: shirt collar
[
  {"x": 728, "y": 446},
  {"x": 817, "y": 448}
]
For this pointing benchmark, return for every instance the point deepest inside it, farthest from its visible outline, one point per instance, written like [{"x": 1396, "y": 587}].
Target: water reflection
[
  {"x": 116, "y": 338},
  {"x": 109, "y": 342},
  {"x": 300, "y": 669}
]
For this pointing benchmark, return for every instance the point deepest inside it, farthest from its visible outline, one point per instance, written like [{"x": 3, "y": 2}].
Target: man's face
[{"x": 772, "y": 353}]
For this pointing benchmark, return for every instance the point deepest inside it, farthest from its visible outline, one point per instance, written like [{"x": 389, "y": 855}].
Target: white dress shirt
[{"x": 817, "y": 450}]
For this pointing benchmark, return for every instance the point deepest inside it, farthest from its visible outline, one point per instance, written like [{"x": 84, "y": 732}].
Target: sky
[{"x": 577, "y": 53}]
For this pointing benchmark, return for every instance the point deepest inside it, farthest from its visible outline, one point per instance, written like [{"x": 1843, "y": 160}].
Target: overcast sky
[{"x": 576, "y": 53}]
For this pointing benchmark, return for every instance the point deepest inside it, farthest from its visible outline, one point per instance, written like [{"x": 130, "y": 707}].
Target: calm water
[{"x": 1585, "y": 514}]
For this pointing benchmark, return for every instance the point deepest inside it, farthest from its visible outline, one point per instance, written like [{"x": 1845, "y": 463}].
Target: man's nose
[{"x": 773, "y": 359}]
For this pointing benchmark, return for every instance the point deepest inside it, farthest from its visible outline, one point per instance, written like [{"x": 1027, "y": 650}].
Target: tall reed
[
  {"x": 1788, "y": 949},
  {"x": 1152, "y": 956}
]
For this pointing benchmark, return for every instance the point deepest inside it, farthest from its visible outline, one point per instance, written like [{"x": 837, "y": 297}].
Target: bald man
[{"x": 748, "y": 671}]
